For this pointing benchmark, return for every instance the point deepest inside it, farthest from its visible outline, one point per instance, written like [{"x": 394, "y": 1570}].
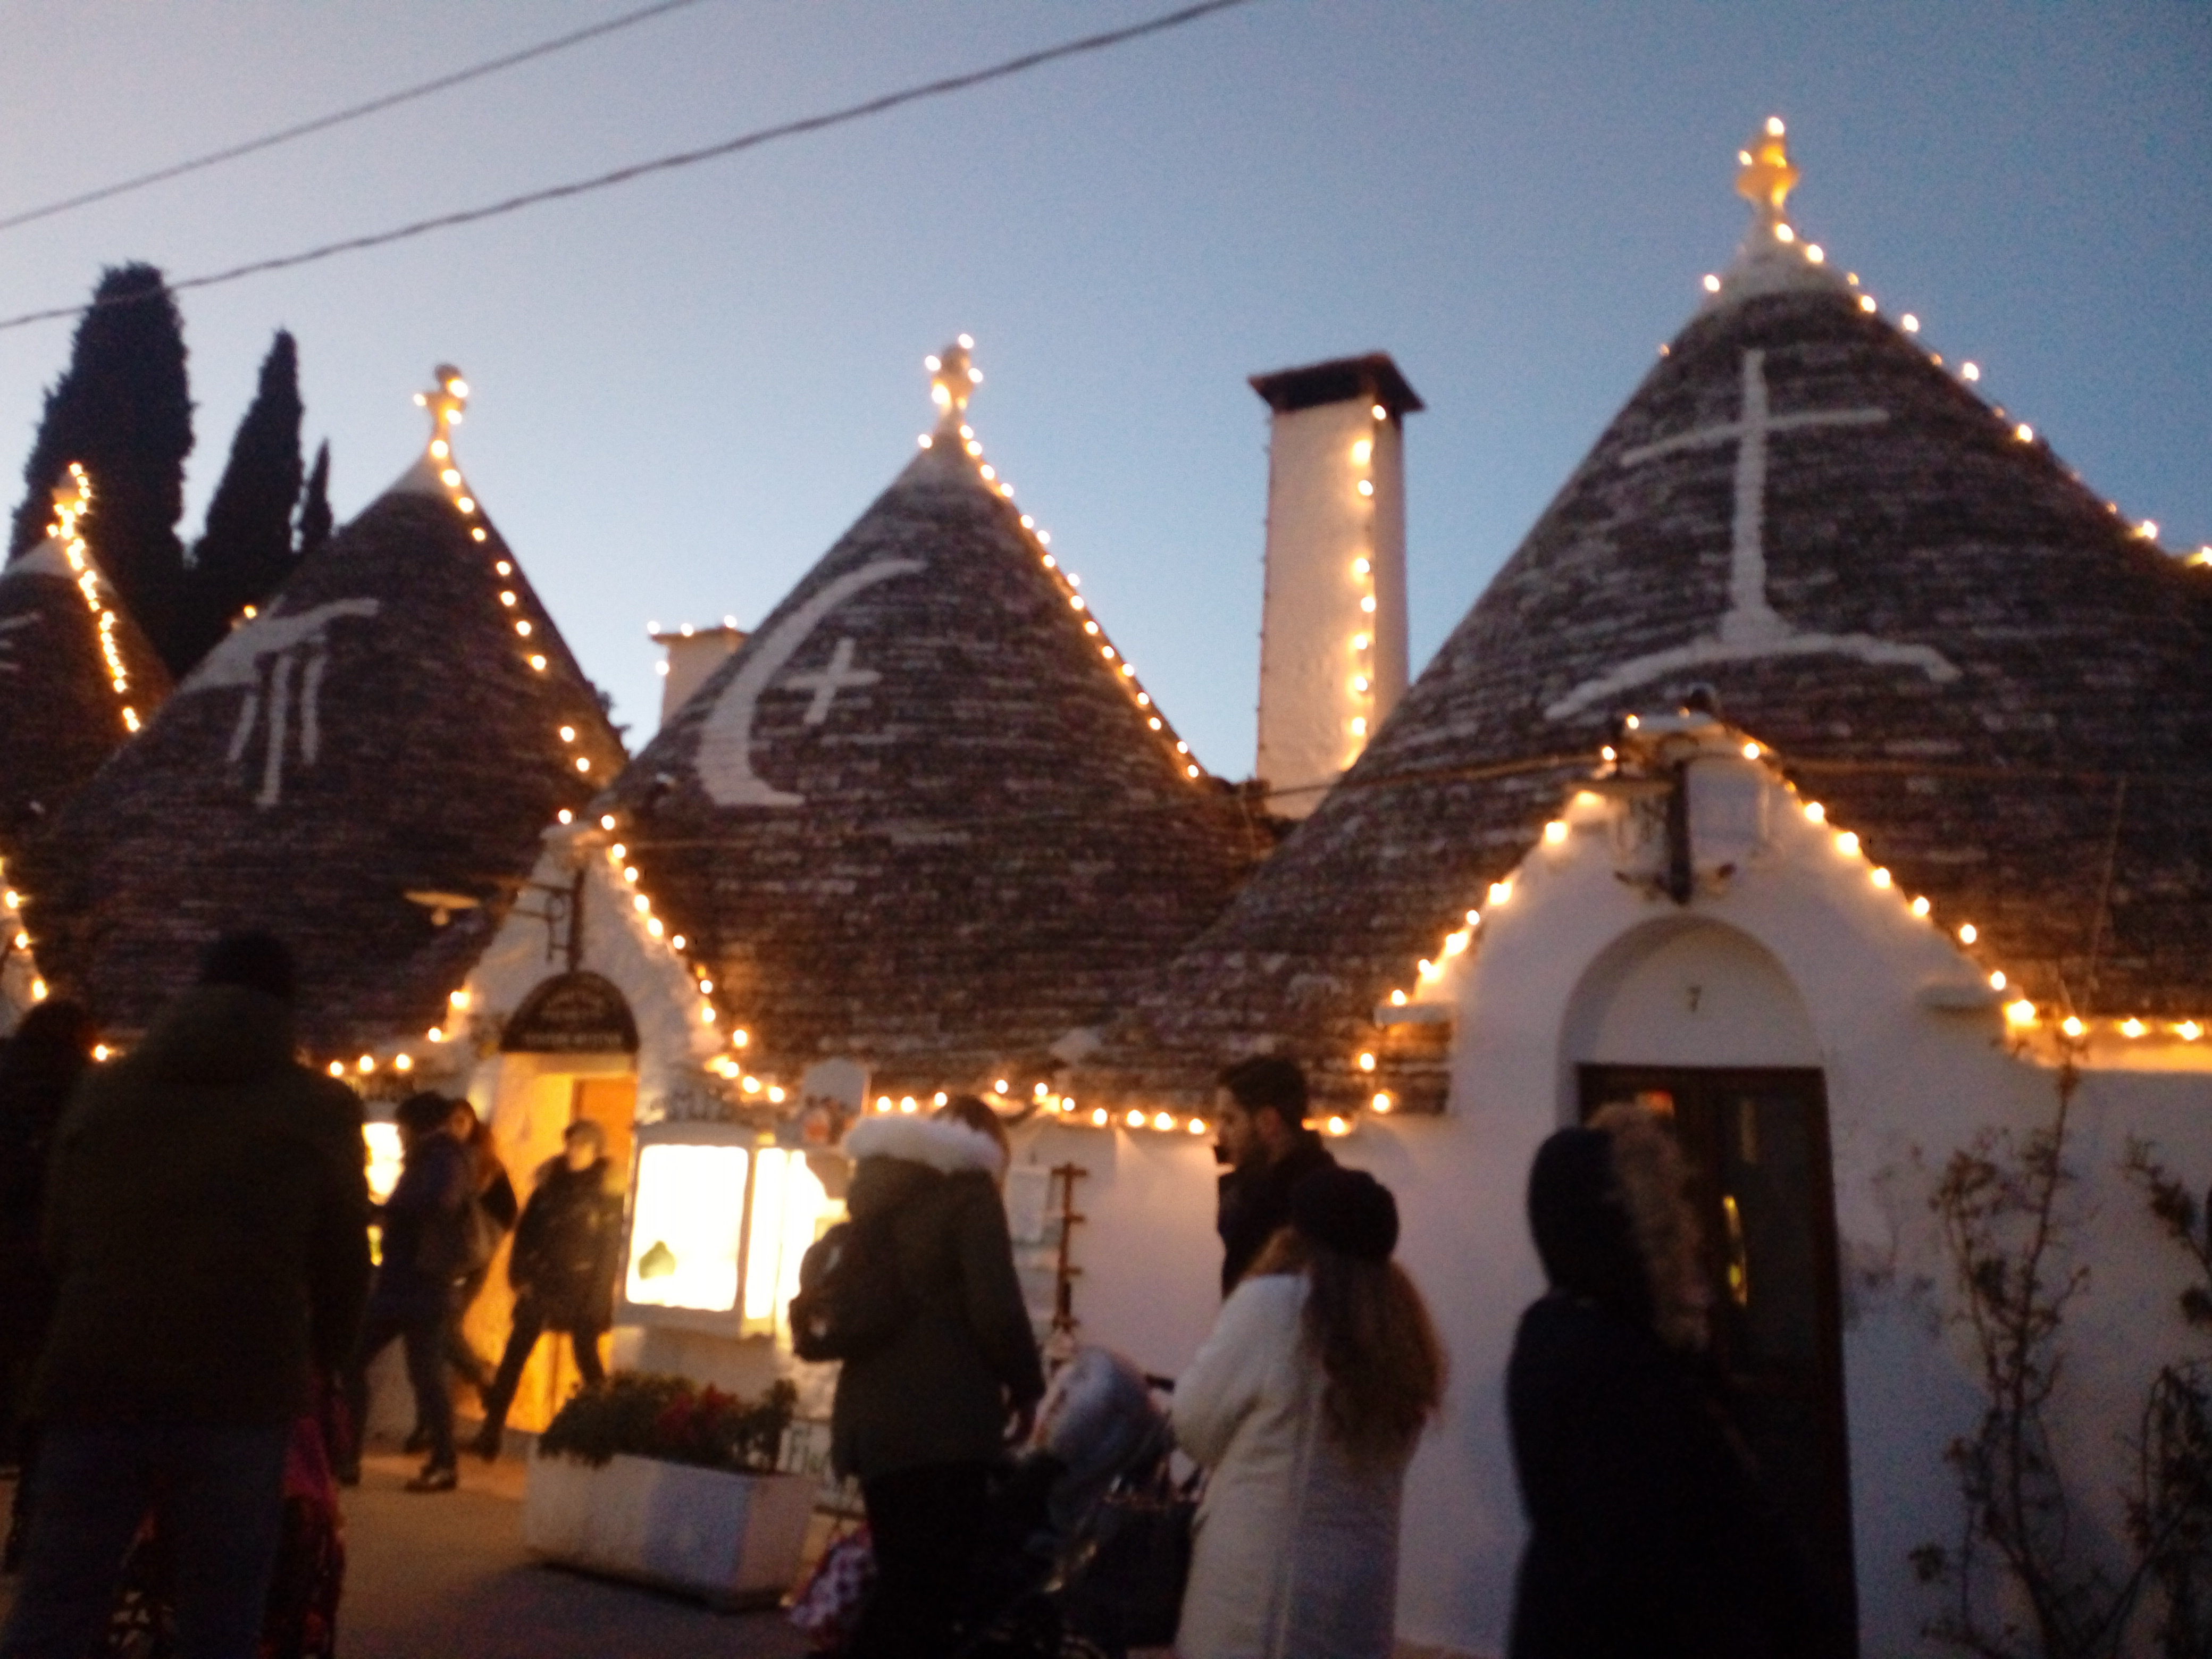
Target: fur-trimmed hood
[{"x": 945, "y": 1145}]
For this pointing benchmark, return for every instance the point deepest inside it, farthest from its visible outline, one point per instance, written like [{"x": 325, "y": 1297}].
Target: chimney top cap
[{"x": 1373, "y": 379}]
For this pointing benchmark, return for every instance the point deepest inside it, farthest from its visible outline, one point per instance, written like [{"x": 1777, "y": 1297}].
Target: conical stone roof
[
  {"x": 390, "y": 724},
  {"x": 77, "y": 679},
  {"x": 1946, "y": 639},
  {"x": 925, "y": 818}
]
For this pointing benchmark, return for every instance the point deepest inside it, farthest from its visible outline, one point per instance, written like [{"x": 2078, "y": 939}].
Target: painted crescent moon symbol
[{"x": 724, "y": 759}]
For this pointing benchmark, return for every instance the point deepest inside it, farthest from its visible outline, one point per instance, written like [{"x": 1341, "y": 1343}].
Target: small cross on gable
[
  {"x": 826, "y": 683},
  {"x": 445, "y": 401}
]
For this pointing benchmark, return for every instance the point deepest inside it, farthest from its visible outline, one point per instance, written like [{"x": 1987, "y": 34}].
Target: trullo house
[
  {"x": 924, "y": 831},
  {"x": 364, "y": 766},
  {"x": 1829, "y": 768},
  {"x": 77, "y": 679}
]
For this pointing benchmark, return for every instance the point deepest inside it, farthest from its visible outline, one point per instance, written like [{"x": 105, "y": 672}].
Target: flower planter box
[{"x": 734, "y": 1539}]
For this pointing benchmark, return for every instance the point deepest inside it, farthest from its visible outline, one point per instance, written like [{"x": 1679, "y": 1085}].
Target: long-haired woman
[
  {"x": 1304, "y": 1405},
  {"x": 1650, "y": 1537}
]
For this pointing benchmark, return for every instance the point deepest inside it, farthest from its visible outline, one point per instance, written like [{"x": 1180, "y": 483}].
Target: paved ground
[{"x": 446, "y": 1577}]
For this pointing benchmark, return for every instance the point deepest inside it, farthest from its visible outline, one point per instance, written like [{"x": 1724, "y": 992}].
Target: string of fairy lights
[
  {"x": 2022, "y": 1015},
  {"x": 72, "y": 501},
  {"x": 1359, "y": 682},
  {"x": 953, "y": 378},
  {"x": 1765, "y": 177},
  {"x": 447, "y": 404}
]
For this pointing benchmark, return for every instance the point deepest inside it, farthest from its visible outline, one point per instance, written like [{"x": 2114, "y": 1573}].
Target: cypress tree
[
  {"x": 123, "y": 408},
  {"x": 315, "y": 505},
  {"x": 245, "y": 549}
]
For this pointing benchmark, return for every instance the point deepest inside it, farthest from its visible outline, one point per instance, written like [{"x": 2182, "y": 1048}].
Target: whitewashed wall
[{"x": 1802, "y": 960}]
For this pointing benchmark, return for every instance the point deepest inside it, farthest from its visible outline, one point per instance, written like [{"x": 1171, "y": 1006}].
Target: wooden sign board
[{"x": 573, "y": 1013}]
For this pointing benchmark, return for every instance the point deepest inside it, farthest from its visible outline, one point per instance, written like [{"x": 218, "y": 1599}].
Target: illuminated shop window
[
  {"x": 686, "y": 1233},
  {"x": 715, "y": 1212}
]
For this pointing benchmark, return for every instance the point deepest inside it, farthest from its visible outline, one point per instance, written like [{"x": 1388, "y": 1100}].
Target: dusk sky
[{"x": 686, "y": 389}]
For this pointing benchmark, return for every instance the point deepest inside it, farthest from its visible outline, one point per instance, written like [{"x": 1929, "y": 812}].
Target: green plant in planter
[{"x": 674, "y": 1420}]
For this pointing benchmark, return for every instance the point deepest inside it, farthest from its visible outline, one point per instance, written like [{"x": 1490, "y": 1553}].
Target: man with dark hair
[
  {"x": 1260, "y": 1111},
  {"x": 206, "y": 1218}
]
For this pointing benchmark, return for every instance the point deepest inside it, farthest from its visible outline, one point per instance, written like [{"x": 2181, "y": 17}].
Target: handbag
[
  {"x": 829, "y": 1609},
  {"x": 1126, "y": 1590}
]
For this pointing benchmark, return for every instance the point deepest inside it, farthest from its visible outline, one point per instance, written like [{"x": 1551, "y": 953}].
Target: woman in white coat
[{"x": 1304, "y": 1405}]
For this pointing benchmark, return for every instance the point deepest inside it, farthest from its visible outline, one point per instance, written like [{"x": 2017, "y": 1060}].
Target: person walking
[
  {"x": 496, "y": 1200},
  {"x": 1649, "y": 1537},
  {"x": 920, "y": 1420},
  {"x": 426, "y": 1252},
  {"x": 1303, "y": 1406},
  {"x": 207, "y": 1223},
  {"x": 1260, "y": 1134},
  {"x": 563, "y": 1269}
]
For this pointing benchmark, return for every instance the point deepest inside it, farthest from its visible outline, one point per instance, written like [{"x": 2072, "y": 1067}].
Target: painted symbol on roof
[
  {"x": 1750, "y": 629},
  {"x": 280, "y": 658},
  {"x": 723, "y": 759},
  {"x": 10, "y": 625}
]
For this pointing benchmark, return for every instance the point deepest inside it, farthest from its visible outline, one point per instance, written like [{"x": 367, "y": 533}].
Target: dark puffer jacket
[
  {"x": 941, "y": 1391},
  {"x": 425, "y": 1220},
  {"x": 1649, "y": 1537},
  {"x": 567, "y": 1246},
  {"x": 207, "y": 1217}
]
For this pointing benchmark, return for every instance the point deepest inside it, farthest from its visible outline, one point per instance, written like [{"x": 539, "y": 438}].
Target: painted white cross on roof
[{"x": 1750, "y": 629}]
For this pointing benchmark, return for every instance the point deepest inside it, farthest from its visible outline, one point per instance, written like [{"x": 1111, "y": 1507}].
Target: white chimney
[
  {"x": 693, "y": 654},
  {"x": 1333, "y": 627}
]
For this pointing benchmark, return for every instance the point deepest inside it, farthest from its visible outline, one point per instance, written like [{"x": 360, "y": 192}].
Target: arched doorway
[
  {"x": 567, "y": 1054},
  {"x": 1700, "y": 1023}
]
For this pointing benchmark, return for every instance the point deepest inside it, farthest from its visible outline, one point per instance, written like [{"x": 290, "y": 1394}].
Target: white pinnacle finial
[
  {"x": 445, "y": 401},
  {"x": 1773, "y": 255},
  {"x": 953, "y": 378},
  {"x": 1766, "y": 178}
]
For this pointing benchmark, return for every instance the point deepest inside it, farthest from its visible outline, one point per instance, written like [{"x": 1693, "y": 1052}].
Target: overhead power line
[
  {"x": 850, "y": 112},
  {"x": 340, "y": 118}
]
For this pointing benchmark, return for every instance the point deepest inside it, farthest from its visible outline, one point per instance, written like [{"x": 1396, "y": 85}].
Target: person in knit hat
[{"x": 1304, "y": 1405}]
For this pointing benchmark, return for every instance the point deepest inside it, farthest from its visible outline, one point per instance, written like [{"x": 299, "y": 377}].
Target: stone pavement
[{"x": 445, "y": 1577}]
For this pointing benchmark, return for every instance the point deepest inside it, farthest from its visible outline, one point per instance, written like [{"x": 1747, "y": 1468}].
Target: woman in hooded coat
[
  {"x": 920, "y": 1420},
  {"x": 1648, "y": 1536},
  {"x": 1304, "y": 1405}
]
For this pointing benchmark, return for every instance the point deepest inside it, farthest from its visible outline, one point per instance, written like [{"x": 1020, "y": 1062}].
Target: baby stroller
[{"x": 1088, "y": 1537}]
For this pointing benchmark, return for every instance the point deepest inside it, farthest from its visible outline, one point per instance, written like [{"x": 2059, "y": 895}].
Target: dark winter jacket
[
  {"x": 1649, "y": 1537},
  {"x": 941, "y": 1391},
  {"x": 207, "y": 1220},
  {"x": 424, "y": 1251},
  {"x": 1255, "y": 1203},
  {"x": 36, "y": 1081},
  {"x": 567, "y": 1246}
]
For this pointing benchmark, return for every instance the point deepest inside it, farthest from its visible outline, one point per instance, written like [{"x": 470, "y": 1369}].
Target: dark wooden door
[{"x": 1757, "y": 1144}]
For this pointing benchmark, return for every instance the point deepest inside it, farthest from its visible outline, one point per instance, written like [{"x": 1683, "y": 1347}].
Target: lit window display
[
  {"x": 718, "y": 1224},
  {"x": 686, "y": 1231}
]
